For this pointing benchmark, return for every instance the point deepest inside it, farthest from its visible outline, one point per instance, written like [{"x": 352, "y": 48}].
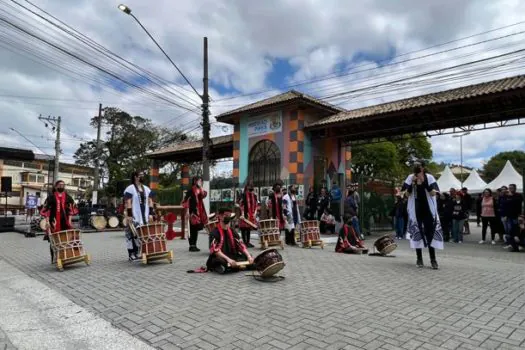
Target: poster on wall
[
  {"x": 227, "y": 195},
  {"x": 256, "y": 192},
  {"x": 215, "y": 195},
  {"x": 269, "y": 124}
]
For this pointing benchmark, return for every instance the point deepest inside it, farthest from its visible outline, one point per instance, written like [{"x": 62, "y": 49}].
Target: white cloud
[{"x": 244, "y": 38}]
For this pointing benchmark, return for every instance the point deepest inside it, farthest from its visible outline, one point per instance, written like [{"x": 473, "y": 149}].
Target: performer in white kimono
[
  {"x": 291, "y": 214},
  {"x": 139, "y": 206},
  {"x": 424, "y": 226}
]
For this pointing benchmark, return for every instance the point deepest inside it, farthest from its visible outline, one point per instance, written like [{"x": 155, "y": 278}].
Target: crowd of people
[{"x": 500, "y": 212}]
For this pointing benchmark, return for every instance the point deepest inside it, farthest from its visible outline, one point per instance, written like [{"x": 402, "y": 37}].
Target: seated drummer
[
  {"x": 348, "y": 241},
  {"x": 227, "y": 249}
]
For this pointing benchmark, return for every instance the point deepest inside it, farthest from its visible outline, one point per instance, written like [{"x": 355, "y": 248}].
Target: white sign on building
[{"x": 268, "y": 124}]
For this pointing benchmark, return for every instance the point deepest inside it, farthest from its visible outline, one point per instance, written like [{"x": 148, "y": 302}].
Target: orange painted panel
[
  {"x": 292, "y": 168},
  {"x": 294, "y": 146},
  {"x": 294, "y": 125}
]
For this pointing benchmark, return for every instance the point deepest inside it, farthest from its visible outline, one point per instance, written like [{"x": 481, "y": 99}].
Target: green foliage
[
  {"x": 495, "y": 164},
  {"x": 388, "y": 160},
  {"x": 124, "y": 146}
]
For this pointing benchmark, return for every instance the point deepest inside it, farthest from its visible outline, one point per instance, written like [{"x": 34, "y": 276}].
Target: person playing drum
[
  {"x": 194, "y": 202},
  {"x": 275, "y": 205},
  {"x": 249, "y": 206},
  {"x": 58, "y": 208},
  {"x": 348, "y": 241},
  {"x": 139, "y": 207},
  {"x": 227, "y": 250}
]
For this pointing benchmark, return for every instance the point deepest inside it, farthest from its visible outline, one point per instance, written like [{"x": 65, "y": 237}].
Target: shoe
[
  {"x": 493, "y": 242},
  {"x": 194, "y": 249},
  {"x": 249, "y": 245},
  {"x": 434, "y": 265},
  {"x": 482, "y": 242},
  {"x": 506, "y": 247},
  {"x": 460, "y": 242},
  {"x": 420, "y": 264}
]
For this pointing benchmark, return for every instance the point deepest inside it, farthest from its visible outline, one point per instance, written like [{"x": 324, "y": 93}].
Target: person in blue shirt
[{"x": 335, "y": 204}]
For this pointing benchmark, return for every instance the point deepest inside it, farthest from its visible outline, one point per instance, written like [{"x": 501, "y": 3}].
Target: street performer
[
  {"x": 275, "y": 205},
  {"x": 194, "y": 202},
  {"x": 424, "y": 226},
  {"x": 348, "y": 241},
  {"x": 139, "y": 207},
  {"x": 58, "y": 209},
  {"x": 227, "y": 249},
  {"x": 249, "y": 207}
]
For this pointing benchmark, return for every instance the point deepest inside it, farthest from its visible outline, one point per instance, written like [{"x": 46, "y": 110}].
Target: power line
[{"x": 388, "y": 61}]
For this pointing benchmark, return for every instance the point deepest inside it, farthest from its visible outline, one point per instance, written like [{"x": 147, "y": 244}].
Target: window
[
  {"x": 80, "y": 182},
  {"x": 33, "y": 178},
  {"x": 265, "y": 163}
]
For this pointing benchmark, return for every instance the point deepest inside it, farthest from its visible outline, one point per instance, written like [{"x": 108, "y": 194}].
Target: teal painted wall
[{"x": 244, "y": 150}]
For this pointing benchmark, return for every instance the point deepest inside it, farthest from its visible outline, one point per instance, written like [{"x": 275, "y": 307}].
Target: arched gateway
[{"x": 264, "y": 166}]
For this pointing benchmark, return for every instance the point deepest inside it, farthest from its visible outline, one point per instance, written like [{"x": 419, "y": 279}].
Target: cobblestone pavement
[
  {"x": 330, "y": 301},
  {"x": 5, "y": 344}
]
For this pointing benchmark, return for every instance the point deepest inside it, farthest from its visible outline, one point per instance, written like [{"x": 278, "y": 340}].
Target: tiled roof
[
  {"x": 279, "y": 99},
  {"x": 193, "y": 145},
  {"x": 491, "y": 87}
]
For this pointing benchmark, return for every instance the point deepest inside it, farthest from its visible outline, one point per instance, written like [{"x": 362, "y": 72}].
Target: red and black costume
[
  {"x": 229, "y": 243},
  {"x": 249, "y": 207},
  {"x": 276, "y": 207},
  {"x": 198, "y": 217},
  {"x": 348, "y": 240},
  {"x": 58, "y": 208}
]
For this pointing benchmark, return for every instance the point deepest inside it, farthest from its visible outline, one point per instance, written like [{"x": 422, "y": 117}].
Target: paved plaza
[{"x": 327, "y": 300}]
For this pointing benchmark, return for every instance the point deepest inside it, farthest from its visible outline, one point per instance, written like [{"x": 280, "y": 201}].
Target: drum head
[
  {"x": 388, "y": 249},
  {"x": 43, "y": 224},
  {"x": 264, "y": 253},
  {"x": 272, "y": 269},
  {"x": 113, "y": 222}
]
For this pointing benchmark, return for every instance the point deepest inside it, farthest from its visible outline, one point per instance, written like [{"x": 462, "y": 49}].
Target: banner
[
  {"x": 268, "y": 124},
  {"x": 31, "y": 202}
]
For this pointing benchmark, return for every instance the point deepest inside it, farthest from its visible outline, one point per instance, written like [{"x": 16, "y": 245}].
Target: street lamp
[
  {"x": 205, "y": 98},
  {"x": 461, "y": 151}
]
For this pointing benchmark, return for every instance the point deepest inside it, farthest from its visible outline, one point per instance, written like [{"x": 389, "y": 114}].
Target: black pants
[
  {"x": 194, "y": 234},
  {"x": 290, "y": 236},
  {"x": 427, "y": 228},
  {"x": 485, "y": 222},
  {"x": 446, "y": 225},
  {"x": 134, "y": 250},
  {"x": 245, "y": 232}
]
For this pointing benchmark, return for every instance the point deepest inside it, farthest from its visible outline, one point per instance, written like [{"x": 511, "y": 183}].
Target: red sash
[{"x": 230, "y": 239}]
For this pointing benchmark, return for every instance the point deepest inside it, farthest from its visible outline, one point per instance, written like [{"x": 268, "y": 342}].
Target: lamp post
[
  {"x": 205, "y": 98},
  {"x": 461, "y": 151}
]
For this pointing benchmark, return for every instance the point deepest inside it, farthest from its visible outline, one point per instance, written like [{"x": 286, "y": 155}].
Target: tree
[
  {"x": 390, "y": 160},
  {"x": 379, "y": 160},
  {"x": 124, "y": 146},
  {"x": 495, "y": 164}
]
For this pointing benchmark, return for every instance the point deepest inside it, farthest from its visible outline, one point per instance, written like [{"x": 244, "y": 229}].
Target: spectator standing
[{"x": 488, "y": 216}]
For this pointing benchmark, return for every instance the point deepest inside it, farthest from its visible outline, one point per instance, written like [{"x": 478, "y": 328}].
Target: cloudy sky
[{"x": 256, "y": 49}]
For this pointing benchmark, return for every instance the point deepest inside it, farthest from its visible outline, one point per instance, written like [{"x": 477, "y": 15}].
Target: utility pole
[
  {"x": 205, "y": 128},
  {"x": 56, "y": 123},
  {"x": 97, "y": 162}
]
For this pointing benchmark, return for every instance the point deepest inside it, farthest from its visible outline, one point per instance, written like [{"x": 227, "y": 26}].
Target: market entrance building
[{"x": 301, "y": 140}]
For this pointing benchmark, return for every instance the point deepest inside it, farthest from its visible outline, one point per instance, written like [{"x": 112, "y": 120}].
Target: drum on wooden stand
[
  {"x": 113, "y": 222},
  {"x": 269, "y": 262},
  {"x": 270, "y": 235},
  {"x": 67, "y": 248},
  {"x": 310, "y": 234},
  {"x": 153, "y": 243},
  {"x": 98, "y": 222},
  {"x": 385, "y": 244}
]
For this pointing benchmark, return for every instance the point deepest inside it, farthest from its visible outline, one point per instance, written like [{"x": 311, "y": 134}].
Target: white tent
[
  {"x": 474, "y": 183},
  {"x": 447, "y": 180},
  {"x": 508, "y": 176}
]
